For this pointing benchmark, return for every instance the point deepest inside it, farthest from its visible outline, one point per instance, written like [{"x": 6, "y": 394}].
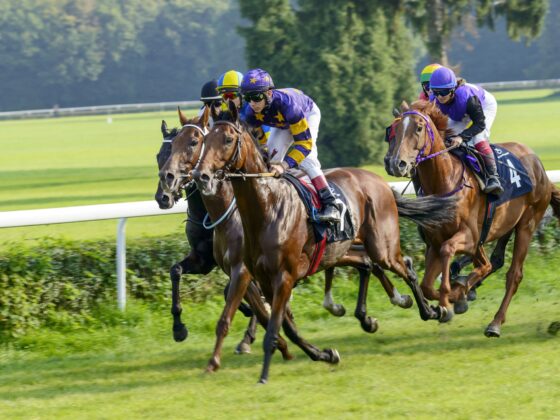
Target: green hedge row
[{"x": 61, "y": 283}]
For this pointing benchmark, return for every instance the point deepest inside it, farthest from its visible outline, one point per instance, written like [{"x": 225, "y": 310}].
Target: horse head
[
  {"x": 186, "y": 149},
  {"x": 228, "y": 148},
  {"x": 412, "y": 137},
  {"x": 164, "y": 199}
]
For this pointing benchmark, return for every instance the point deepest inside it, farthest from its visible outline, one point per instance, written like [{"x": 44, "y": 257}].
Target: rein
[{"x": 221, "y": 219}]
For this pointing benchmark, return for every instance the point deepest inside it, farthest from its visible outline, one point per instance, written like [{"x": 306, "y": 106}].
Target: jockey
[
  {"x": 425, "y": 80},
  {"x": 294, "y": 119},
  {"x": 209, "y": 96},
  {"x": 471, "y": 111}
]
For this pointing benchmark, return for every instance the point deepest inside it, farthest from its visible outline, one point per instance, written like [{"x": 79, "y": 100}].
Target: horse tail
[
  {"x": 429, "y": 211},
  {"x": 555, "y": 201}
]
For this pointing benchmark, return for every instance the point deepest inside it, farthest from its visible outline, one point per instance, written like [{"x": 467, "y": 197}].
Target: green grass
[
  {"x": 127, "y": 366},
  {"x": 85, "y": 160}
]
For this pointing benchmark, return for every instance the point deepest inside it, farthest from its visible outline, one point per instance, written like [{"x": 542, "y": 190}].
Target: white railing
[{"x": 122, "y": 211}]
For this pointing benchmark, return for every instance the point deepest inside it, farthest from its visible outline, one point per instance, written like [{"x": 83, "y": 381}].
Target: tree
[
  {"x": 351, "y": 57},
  {"x": 435, "y": 20}
]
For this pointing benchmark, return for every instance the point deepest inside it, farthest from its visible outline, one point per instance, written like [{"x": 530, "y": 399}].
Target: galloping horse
[
  {"x": 182, "y": 154},
  {"x": 279, "y": 242},
  {"x": 207, "y": 249},
  {"x": 418, "y": 147}
]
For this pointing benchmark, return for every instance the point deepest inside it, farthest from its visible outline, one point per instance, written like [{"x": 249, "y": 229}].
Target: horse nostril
[
  {"x": 165, "y": 198},
  {"x": 204, "y": 177},
  {"x": 402, "y": 164},
  {"x": 169, "y": 177}
]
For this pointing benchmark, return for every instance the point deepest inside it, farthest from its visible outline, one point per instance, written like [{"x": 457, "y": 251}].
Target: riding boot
[
  {"x": 493, "y": 185},
  {"x": 330, "y": 212}
]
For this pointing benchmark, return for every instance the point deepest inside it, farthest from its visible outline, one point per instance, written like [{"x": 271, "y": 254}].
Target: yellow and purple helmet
[
  {"x": 427, "y": 72},
  {"x": 230, "y": 81},
  {"x": 256, "y": 80}
]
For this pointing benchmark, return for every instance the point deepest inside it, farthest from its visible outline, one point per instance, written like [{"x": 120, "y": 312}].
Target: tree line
[{"x": 356, "y": 59}]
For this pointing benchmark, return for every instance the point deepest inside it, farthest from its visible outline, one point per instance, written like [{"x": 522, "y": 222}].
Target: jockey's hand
[
  {"x": 454, "y": 141},
  {"x": 278, "y": 168}
]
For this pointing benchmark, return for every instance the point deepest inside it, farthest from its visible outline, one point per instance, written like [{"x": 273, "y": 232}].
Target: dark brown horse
[
  {"x": 419, "y": 133},
  {"x": 279, "y": 241},
  {"x": 183, "y": 154}
]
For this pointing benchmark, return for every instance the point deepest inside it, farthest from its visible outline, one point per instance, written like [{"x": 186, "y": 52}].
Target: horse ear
[
  {"x": 396, "y": 112},
  {"x": 233, "y": 111},
  {"x": 164, "y": 129},
  {"x": 182, "y": 117},
  {"x": 213, "y": 113},
  {"x": 203, "y": 121},
  {"x": 404, "y": 106}
]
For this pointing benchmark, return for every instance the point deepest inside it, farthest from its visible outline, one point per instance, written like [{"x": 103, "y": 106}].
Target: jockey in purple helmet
[
  {"x": 471, "y": 111},
  {"x": 294, "y": 119}
]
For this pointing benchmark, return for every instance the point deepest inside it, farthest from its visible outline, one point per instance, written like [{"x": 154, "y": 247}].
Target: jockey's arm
[
  {"x": 302, "y": 142},
  {"x": 476, "y": 114}
]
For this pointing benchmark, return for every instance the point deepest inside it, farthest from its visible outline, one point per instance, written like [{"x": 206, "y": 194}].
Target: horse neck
[
  {"x": 216, "y": 205},
  {"x": 196, "y": 206},
  {"x": 441, "y": 174}
]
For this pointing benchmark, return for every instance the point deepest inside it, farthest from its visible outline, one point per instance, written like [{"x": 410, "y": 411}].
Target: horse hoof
[
  {"x": 406, "y": 302},
  {"x": 334, "y": 356},
  {"x": 554, "y": 328},
  {"x": 262, "y": 381},
  {"x": 471, "y": 295},
  {"x": 180, "y": 333},
  {"x": 243, "y": 348},
  {"x": 446, "y": 314},
  {"x": 337, "y": 310},
  {"x": 492, "y": 331},
  {"x": 461, "y": 306},
  {"x": 369, "y": 324}
]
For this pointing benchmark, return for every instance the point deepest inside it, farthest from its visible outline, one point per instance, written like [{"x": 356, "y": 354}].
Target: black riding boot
[
  {"x": 493, "y": 185},
  {"x": 330, "y": 212}
]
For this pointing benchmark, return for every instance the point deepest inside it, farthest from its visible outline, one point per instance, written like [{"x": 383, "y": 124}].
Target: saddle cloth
[{"x": 333, "y": 233}]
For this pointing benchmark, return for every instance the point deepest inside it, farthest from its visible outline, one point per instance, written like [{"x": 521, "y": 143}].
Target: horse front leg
[
  {"x": 192, "y": 264},
  {"x": 244, "y": 346},
  {"x": 239, "y": 280},
  {"x": 328, "y": 302},
  {"x": 403, "y": 301}
]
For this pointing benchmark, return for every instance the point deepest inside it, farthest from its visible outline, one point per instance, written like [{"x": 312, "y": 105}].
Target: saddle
[{"x": 341, "y": 231}]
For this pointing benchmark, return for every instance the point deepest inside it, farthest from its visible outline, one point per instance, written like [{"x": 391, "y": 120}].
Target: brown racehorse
[
  {"x": 279, "y": 241},
  {"x": 418, "y": 133},
  {"x": 182, "y": 155}
]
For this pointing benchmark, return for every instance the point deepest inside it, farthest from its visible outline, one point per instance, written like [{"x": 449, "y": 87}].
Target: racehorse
[
  {"x": 201, "y": 259},
  {"x": 418, "y": 148},
  {"x": 184, "y": 152},
  {"x": 279, "y": 241}
]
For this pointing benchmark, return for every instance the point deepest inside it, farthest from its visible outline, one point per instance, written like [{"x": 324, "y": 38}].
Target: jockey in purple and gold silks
[
  {"x": 471, "y": 111},
  {"x": 294, "y": 119}
]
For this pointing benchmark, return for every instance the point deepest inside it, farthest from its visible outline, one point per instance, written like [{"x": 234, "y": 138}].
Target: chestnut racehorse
[
  {"x": 419, "y": 137},
  {"x": 279, "y": 242},
  {"x": 182, "y": 155}
]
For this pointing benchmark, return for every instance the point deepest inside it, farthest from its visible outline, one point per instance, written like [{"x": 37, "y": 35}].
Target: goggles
[
  {"x": 442, "y": 92},
  {"x": 213, "y": 102},
  {"x": 254, "y": 96},
  {"x": 230, "y": 95}
]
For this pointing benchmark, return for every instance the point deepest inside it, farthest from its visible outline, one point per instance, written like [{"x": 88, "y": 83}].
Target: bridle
[{"x": 232, "y": 161}]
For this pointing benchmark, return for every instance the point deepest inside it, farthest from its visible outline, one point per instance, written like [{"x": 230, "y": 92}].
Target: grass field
[
  {"x": 85, "y": 160},
  {"x": 132, "y": 368}
]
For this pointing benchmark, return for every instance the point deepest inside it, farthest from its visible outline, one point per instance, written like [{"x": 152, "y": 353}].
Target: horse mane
[{"x": 431, "y": 110}]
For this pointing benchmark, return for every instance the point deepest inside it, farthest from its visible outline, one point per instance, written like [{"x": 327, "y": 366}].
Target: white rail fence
[
  {"x": 164, "y": 106},
  {"x": 122, "y": 211}
]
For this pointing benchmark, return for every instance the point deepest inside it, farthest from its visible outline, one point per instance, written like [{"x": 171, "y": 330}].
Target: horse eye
[
  {"x": 419, "y": 129},
  {"x": 229, "y": 140},
  {"x": 194, "y": 142}
]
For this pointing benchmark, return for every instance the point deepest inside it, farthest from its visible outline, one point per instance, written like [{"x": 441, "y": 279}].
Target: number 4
[{"x": 514, "y": 177}]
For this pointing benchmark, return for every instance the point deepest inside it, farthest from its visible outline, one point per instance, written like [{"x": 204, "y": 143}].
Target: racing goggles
[
  {"x": 213, "y": 102},
  {"x": 254, "y": 96},
  {"x": 230, "y": 95},
  {"x": 442, "y": 92}
]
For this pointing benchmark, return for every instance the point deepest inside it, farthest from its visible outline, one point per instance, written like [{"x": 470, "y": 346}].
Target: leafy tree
[
  {"x": 351, "y": 57},
  {"x": 435, "y": 20}
]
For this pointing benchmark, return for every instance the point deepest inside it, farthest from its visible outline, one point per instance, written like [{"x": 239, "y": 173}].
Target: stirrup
[
  {"x": 493, "y": 186},
  {"x": 333, "y": 217}
]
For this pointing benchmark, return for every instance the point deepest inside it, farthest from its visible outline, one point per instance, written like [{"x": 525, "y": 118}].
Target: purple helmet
[
  {"x": 256, "y": 80},
  {"x": 442, "y": 78}
]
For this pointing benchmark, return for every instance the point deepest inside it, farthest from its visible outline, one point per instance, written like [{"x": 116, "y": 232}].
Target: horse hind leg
[
  {"x": 513, "y": 277},
  {"x": 244, "y": 346},
  {"x": 402, "y": 301},
  {"x": 328, "y": 303},
  {"x": 368, "y": 323}
]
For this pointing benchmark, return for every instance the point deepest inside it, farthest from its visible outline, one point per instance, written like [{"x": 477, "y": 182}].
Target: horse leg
[
  {"x": 404, "y": 301},
  {"x": 244, "y": 346},
  {"x": 254, "y": 297},
  {"x": 328, "y": 303},
  {"x": 239, "y": 280},
  {"x": 482, "y": 268},
  {"x": 523, "y": 235},
  {"x": 368, "y": 323},
  {"x": 192, "y": 264},
  {"x": 447, "y": 251}
]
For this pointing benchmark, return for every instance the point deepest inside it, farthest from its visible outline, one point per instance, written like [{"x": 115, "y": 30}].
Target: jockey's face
[
  {"x": 259, "y": 105},
  {"x": 443, "y": 96}
]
